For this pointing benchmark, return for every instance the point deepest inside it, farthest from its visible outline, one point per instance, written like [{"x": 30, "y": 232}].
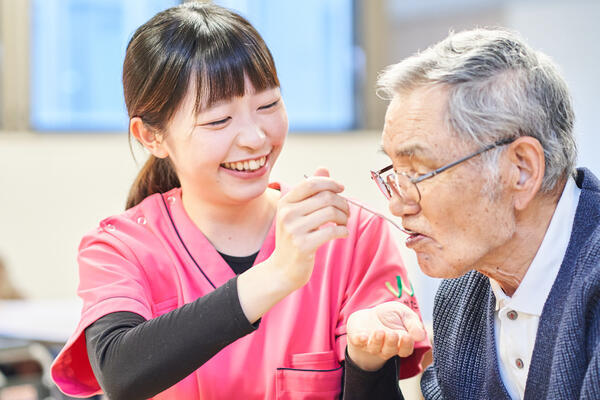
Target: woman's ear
[
  {"x": 526, "y": 156},
  {"x": 148, "y": 137}
]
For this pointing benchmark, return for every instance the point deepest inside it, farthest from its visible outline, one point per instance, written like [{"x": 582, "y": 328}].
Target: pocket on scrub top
[{"x": 313, "y": 376}]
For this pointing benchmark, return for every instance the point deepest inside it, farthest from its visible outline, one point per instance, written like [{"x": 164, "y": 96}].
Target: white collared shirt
[{"x": 517, "y": 317}]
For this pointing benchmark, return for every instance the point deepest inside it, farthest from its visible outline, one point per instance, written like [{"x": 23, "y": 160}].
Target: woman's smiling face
[{"x": 226, "y": 152}]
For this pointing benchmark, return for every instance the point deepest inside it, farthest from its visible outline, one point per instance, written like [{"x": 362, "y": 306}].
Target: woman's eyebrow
[{"x": 204, "y": 106}]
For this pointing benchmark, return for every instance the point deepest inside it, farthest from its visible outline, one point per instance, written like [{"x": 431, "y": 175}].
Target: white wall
[
  {"x": 54, "y": 189},
  {"x": 568, "y": 31}
]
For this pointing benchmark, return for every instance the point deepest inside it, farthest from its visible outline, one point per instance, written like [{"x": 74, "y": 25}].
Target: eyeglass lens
[
  {"x": 399, "y": 183},
  {"x": 384, "y": 187},
  {"x": 404, "y": 186}
]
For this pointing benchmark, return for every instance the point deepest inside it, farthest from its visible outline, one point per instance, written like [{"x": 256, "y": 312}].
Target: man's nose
[{"x": 401, "y": 208}]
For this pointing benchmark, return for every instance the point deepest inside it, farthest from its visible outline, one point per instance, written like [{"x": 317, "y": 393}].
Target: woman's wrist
[
  {"x": 261, "y": 287},
  {"x": 365, "y": 361}
]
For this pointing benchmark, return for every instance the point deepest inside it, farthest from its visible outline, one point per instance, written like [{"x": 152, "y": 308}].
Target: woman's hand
[
  {"x": 307, "y": 216},
  {"x": 379, "y": 333}
]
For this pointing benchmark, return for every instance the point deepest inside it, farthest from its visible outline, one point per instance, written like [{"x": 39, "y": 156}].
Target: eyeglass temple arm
[{"x": 445, "y": 167}]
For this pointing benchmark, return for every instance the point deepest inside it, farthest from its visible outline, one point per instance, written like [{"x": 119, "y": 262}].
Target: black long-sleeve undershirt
[{"x": 133, "y": 358}]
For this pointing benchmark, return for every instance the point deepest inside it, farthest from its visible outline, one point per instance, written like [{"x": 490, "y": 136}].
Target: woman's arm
[
  {"x": 381, "y": 384},
  {"x": 160, "y": 352}
]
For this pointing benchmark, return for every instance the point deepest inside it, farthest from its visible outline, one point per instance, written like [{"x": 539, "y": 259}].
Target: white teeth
[{"x": 248, "y": 165}]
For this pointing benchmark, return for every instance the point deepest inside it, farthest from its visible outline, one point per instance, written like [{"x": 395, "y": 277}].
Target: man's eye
[
  {"x": 407, "y": 171},
  {"x": 410, "y": 173},
  {"x": 417, "y": 175},
  {"x": 270, "y": 105}
]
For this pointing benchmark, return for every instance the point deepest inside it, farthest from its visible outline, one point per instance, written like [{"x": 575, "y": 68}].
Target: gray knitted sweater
[{"x": 566, "y": 357}]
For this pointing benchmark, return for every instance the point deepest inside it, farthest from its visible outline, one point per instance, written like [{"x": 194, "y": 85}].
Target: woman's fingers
[
  {"x": 392, "y": 329},
  {"x": 375, "y": 342},
  {"x": 390, "y": 345},
  {"x": 413, "y": 324},
  {"x": 316, "y": 238},
  {"x": 396, "y": 315},
  {"x": 311, "y": 186},
  {"x": 415, "y": 328},
  {"x": 322, "y": 216},
  {"x": 320, "y": 200},
  {"x": 321, "y": 171},
  {"x": 358, "y": 340},
  {"x": 406, "y": 346},
  {"x": 383, "y": 344},
  {"x": 387, "y": 344}
]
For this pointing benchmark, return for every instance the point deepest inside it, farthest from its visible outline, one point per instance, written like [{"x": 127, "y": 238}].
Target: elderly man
[{"x": 480, "y": 133}]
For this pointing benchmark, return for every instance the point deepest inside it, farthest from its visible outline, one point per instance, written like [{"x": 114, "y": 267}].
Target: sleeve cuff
[
  {"x": 241, "y": 322},
  {"x": 380, "y": 384}
]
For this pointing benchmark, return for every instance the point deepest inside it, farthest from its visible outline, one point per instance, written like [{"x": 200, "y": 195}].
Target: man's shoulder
[
  {"x": 468, "y": 282},
  {"x": 587, "y": 180},
  {"x": 469, "y": 291},
  {"x": 585, "y": 236},
  {"x": 588, "y": 257}
]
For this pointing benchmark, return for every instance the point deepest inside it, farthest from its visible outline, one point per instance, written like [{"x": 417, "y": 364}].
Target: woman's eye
[
  {"x": 270, "y": 105},
  {"x": 218, "y": 123}
]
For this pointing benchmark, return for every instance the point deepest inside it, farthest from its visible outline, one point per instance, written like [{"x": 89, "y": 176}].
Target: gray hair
[{"x": 499, "y": 87}]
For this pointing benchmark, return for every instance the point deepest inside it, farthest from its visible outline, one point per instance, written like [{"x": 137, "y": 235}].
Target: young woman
[{"x": 215, "y": 284}]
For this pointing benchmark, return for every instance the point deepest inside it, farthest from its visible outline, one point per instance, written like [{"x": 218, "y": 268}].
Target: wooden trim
[
  {"x": 14, "y": 69},
  {"x": 371, "y": 25}
]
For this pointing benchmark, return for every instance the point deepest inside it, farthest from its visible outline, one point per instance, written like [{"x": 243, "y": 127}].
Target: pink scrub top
[{"x": 153, "y": 259}]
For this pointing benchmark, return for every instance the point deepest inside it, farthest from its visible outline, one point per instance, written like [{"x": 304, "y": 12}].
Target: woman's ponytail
[{"x": 156, "y": 176}]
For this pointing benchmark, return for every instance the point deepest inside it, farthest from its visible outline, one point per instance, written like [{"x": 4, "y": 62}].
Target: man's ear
[
  {"x": 148, "y": 137},
  {"x": 526, "y": 157}
]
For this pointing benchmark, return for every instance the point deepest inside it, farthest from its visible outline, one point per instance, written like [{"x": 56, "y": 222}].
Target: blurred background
[{"x": 65, "y": 161}]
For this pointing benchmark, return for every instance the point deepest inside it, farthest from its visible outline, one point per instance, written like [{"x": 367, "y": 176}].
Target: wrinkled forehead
[{"x": 415, "y": 123}]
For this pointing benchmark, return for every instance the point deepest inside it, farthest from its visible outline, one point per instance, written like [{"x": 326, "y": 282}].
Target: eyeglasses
[{"x": 406, "y": 186}]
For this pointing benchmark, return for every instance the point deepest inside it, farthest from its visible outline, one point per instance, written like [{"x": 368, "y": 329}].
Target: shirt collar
[{"x": 533, "y": 291}]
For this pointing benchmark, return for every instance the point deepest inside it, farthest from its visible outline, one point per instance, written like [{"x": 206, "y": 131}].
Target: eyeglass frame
[{"x": 376, "y": 175}]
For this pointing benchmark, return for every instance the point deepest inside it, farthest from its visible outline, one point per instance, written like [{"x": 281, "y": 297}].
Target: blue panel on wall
[
  {"x": 78, "y": 46},
  {"x": 77, "y": 51},
  {"x": 312, "y": 43}
]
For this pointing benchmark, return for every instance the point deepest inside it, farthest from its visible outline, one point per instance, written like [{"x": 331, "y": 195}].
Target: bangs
[
  {"x": 196, "y": 46},
  {"x": 220, "y": 68}
]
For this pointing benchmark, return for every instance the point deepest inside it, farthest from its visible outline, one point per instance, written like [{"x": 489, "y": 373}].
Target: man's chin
[{"x": 434, "y": 267}]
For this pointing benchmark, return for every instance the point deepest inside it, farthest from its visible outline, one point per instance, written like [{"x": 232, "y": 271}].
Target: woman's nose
[{"x": 251, "y": 135}]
